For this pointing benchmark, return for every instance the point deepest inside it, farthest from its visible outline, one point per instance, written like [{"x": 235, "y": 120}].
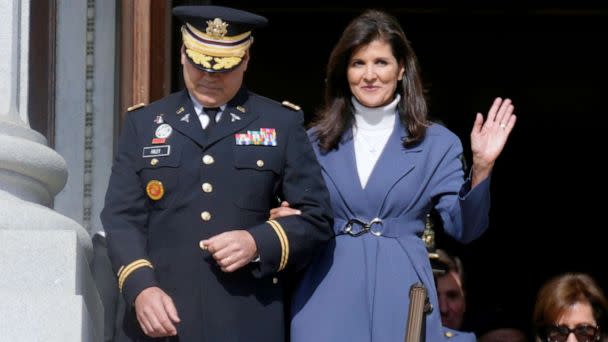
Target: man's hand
[
  {"x": 156, "y": 313},
  {"x": 231, "y": 250}
]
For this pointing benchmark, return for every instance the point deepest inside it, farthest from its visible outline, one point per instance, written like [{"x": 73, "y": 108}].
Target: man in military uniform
[
  {"x": 448, "y": 274},
  {"x": 196, "y": 173}
]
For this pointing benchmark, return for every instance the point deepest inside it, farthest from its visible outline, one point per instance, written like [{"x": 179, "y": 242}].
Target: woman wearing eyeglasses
[{"x": 571, "y": 308}]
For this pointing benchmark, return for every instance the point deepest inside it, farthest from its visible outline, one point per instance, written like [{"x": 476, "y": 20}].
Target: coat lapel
[
  {"x": 341, "y": 167},
  {"x": 394, "y": 163},
  {"x": 185, "y": 120},
  {"x": 236, "y": 116}
]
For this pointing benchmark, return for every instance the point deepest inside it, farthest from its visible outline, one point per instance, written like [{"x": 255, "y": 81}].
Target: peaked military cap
[{"x": 216, "y": 38}]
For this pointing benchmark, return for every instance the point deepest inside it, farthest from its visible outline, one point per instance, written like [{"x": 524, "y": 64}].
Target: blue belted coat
[{"x": 357, "y": 289}]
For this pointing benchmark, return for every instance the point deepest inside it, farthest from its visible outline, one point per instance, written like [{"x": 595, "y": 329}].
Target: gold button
[
  {"x": 260, "y": 163},
  {"x": 275, "y": 280},
  {"x": 207, "y": 159},
  {"x": 154, "y": 161},
  {"x": 206, "y": 216},
  {"x": 207, "y": 187}
]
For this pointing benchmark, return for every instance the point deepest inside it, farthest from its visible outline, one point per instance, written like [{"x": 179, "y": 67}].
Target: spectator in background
[
  {"x": 107, "y": 285},
  {"x": 449, "y": 281},
  {"x": 450, "y": 290},
  {"x": 570, "y": 307},
  {"x": 501, "y": 325}
]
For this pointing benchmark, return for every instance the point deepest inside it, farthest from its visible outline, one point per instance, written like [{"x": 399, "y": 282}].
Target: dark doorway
[{"x": 42, "y": 70}]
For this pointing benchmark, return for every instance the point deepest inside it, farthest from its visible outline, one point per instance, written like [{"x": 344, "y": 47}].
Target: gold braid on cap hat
[{"x": 214, "y": 47}]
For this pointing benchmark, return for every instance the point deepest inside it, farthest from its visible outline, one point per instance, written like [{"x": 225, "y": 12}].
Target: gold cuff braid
[
  {"x": 126, "y": 271},
  {"x": 278, "y": 229}
]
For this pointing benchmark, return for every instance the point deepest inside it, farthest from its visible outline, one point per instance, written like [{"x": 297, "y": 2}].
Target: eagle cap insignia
[{"x": 217, "y": 28}]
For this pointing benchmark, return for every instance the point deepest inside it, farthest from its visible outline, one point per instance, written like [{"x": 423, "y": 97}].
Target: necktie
[{"x": 211, "y": 112}]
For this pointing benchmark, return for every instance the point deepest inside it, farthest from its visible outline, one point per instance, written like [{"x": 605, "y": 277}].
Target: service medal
[{"x": 155, "y": 190}]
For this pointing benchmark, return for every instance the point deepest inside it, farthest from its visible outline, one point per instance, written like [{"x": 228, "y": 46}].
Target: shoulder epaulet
[
  {"x": 290, "y": 105},
  {"x": 134, "y": 107}
]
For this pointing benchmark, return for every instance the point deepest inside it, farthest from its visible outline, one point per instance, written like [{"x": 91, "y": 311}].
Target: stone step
[
  {"x": 46, "y": 318},
  {"x": 45, "y": 279}
]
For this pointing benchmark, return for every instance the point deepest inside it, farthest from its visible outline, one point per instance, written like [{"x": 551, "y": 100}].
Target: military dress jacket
[
  {"x": 452, "y": 335},
  {"x": 174, "y": 184}
]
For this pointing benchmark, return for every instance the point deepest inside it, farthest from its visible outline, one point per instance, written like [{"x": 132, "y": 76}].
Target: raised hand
[{"x": 489, "y": 138}]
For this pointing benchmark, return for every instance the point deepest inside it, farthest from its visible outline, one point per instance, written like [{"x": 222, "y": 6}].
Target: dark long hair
[{"x": 336, "y": 115}]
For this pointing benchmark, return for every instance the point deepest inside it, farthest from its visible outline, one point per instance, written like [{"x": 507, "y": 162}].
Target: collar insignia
[{"x": 234, "y": 117}]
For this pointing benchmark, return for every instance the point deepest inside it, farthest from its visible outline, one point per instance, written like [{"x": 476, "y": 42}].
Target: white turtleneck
[{"x": 371, "y": 130}]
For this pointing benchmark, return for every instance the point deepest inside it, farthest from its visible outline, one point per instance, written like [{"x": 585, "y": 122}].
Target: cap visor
[{"x": 210, "y": 69}]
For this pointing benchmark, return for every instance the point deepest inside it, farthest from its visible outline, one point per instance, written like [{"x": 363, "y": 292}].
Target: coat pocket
[
  {"x": 160, "y": 178},
  {"x": 258, "y": 173}
]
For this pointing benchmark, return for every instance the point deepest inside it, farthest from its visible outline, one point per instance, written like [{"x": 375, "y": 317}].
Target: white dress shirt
[{"x": 202, "y": 116}]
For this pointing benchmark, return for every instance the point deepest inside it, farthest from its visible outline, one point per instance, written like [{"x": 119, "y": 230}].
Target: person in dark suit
[
  {"x": 106, "y": 283},
  {"x": 186, "y": 212},
  {"x": 451, "y": 292}
]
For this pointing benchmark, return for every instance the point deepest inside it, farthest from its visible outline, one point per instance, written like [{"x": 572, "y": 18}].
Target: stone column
[{"x": 46, "y": 289}]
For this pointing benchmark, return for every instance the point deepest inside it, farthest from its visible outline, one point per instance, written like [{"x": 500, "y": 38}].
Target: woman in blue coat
[{"x": 386, "y": 166}]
